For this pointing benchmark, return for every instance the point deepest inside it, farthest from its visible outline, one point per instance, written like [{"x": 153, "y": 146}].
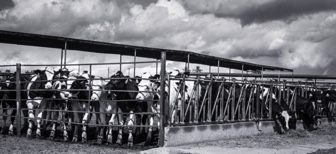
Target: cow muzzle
[{"x": 48, "y": 85}]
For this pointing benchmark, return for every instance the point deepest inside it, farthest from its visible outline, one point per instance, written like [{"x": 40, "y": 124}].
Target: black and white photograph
[{"x": 168, "y": 76}]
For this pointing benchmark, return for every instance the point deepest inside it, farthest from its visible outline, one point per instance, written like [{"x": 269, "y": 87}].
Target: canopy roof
[{"x": 113, "y": 48}]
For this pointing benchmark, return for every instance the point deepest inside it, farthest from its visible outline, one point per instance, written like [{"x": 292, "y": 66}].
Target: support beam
[{"x": 120, "y": 63}]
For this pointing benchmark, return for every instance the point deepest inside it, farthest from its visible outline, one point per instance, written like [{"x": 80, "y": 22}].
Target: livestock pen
[{"x": 218, "y": 104}]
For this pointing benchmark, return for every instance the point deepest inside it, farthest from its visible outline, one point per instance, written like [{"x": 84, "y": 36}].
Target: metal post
[
  {"x": 120, "y": 63},
  {"x": 188, "y": 62},
  {"x": 209, "y": 68},
  {"x": 61, "y": 58},
  {"x": 233, "y": 102},
  {"x": 218, "y": 68},
  {"x": 134, "y": 62},
  {"x": 183, "y": 99},
  {"x": 258, "y": 102},
  {"x": 162, "y": 99},
  {"x": 243, "y": 72},
  {"x": 156, "y": 68},
  {"x": 210, "y": 99},
  {"x": 108, "y": 72},
  {"x": 229, "y": 73},
  {"x": 18, "y": 98},
  {"x": 65, "y": 54}
]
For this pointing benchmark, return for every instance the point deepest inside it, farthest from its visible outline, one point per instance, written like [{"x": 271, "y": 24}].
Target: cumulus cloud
[
  {"x": 304, "y": 44},
  {"x": 260, "y": 10}
]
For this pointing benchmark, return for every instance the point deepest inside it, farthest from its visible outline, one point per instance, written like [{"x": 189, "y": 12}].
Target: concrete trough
[{"x": 181, "y": 135}]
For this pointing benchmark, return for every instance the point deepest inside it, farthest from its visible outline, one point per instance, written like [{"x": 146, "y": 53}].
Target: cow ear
[{"x": 37, "y": 71}]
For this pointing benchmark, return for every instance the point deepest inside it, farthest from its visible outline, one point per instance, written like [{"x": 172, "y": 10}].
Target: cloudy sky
[{"x": 296, "y": 34}]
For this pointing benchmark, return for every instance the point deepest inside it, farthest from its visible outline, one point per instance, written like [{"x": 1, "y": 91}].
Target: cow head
[
  {"x": 45, "y": 76},
  {"x": 145, "y": 88},
  {"x": 97, "y": 85},
  {"x": 116, "y": 80}
]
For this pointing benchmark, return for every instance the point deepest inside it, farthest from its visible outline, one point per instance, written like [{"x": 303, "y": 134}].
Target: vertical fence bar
[
  {"x": 18, "y": 99},
  {"x": 244, "y": 101},
  {"x": 210, "y": 99},
  {"x": 233, "y": 101},
  {"x": 258, "y": 102},
  {"x": 156, "y": 66},
  {"x": 135, "y": 54},
  {"x": 270, "y": 100},
  {"x": 162, "y": 99},
  {"x": 65, "y": 54},
  {"x": 188, "y": 63},
  {"x": 183, "y": 99},
  {"x": 120, "y": 63},
  {"x": 61, "y": 58}
]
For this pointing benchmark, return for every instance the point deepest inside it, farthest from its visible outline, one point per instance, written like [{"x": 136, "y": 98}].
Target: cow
[
  {"x": 104, "y": 103},
  {"x": 176, "y": 94},
  {"x": 126, "y": 91},
  {"x": 149, "y": 93},
  {"x": 283, "y": 117},
  {"x": 59, "y": 84},
  {"x": 305, "y": 110},
  {"x": 8, "y": 96},
  {"x": 80, "y": 105},
  {"x": 329, "y": 104},
  {"x": 39, "y": 91}
]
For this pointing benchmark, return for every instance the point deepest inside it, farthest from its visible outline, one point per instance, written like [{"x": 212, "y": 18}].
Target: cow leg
[
  {"x": 31, "y": 117},
  {"x": 4, "y": 116},
  {"x": 84, "y": 123},
  {"x": 130, "y": 129},
  {"x": 120, "y": 133},
  {"x": 24, "y": 109},
  {"x": 111, "y": 123},
  {"x": 102, "y": 121},
  {"x": 150, "y": 131},
  {"x": 40, "y": 117},
  {"x": 75, "y": 107},
  {"x": 11, "y": 127}
]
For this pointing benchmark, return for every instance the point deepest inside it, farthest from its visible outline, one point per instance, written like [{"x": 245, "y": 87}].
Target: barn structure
[{"x": 225, "y": 109}]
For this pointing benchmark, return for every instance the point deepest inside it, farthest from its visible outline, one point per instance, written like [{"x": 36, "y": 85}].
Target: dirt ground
[{"x": 320, "y": 141}]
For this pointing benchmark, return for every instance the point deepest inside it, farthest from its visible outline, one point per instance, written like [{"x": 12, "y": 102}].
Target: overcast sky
[{"x": 297, "y": 34}]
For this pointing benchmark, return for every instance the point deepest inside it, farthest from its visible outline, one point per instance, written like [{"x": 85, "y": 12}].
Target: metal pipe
[
  {"x": 156, "y": 67},
  {"x": 162, "y": 99},
  {"x": 18, "y": 98},
  {"x": 120, "y": 63},
  {"x": 188, "y": 63},
  {"x": 65, "y": 54},
  {"x": 134, "y": 62},
  {"x": 61, "y": 58}
]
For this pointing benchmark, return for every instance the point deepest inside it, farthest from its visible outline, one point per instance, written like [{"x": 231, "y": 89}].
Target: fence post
[
  {"x": 18, "y": 98},
  {"x": 162, "y": 99}
]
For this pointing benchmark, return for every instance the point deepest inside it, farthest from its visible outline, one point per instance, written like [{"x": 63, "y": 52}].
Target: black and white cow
[
  {"x": 8, "y": 96},
  {"x": 79, "y": 103},
  {"x": 39, "y": 88},
  {"x": 125, "y": 91}
]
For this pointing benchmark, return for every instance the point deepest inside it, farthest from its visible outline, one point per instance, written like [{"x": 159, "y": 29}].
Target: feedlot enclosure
[{"x": 228, "y": 101}]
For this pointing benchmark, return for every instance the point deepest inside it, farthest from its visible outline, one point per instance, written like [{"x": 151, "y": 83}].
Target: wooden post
[
  {"x": 162, "y": 99},
  {"x": 18, "y": 98}
]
